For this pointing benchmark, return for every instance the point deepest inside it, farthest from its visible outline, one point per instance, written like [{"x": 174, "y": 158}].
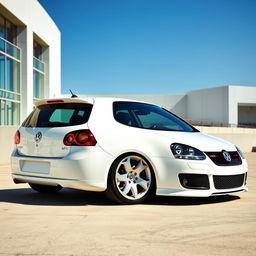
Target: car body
[{"x": 127, "y": 148}]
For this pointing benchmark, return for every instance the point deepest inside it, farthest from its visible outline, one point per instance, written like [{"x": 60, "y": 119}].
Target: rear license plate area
[{"x": 35, "y": 167}]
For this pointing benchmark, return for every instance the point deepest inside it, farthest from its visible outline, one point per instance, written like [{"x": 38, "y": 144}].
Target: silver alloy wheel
[{"x": 133, "y": 177}]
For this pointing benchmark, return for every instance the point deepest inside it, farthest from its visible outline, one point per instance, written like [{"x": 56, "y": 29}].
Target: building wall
[
  {"x": 208, "y": 104},
  {"x": 34, "y": 22},
  {"x": 246, "y": 115},
  {"x": 6, "y": 143},
  {"x": 239, "y": 96}
]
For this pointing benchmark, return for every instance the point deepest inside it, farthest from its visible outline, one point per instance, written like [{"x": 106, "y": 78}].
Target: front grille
[
  {"x": 228, "y": 181},
  {"x": 218, "y": 158}
]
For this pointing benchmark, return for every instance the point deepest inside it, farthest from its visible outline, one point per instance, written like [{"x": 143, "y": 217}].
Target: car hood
[{"x": 199, "y": 140}]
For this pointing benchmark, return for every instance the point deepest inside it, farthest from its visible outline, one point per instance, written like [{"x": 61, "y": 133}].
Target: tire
[
  {"x": 45, "y": 189},
  {"x": 131, "y": 180}
]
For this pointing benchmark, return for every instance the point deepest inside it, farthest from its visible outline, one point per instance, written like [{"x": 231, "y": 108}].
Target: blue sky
[{"x": 155, "y": 46}]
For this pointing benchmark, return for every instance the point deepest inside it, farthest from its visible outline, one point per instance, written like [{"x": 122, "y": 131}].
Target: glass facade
[
  {"x": 38, "y": 72},
  {"x": 9, "y": 74},
  {"x": 8, "y": 31}
]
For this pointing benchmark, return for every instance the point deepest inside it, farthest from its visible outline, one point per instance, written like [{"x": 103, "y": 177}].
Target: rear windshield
[
  {"x": 59, "y": 115},
  {"x": 147, "y": 116}
]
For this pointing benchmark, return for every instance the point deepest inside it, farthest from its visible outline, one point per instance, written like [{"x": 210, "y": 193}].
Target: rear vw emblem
[
  {"x": 38, "y": 137},
  {"x": 227, "y": 156}
]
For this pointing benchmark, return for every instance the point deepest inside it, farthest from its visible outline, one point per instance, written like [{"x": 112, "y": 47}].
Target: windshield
[
  {"x": 147, "y": 116},
  {"x": 59, "y": 115}
]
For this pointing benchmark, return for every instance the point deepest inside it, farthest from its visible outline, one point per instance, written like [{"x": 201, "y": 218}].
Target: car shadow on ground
[{"x": 70, "y": 197}]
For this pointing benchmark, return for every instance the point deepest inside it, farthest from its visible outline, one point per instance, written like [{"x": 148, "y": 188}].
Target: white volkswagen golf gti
[{"x": 127, "y": 148}]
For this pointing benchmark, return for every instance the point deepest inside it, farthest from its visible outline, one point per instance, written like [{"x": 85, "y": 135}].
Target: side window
[
  {"x": 156, "y": 121},
  {"x": 147, "y": 116},
  {"x": 123, "y": 116}
]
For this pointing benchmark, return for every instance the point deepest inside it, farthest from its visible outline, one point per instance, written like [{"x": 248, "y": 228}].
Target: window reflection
[
  {"x": 9, "y": 74},
  {"x": 8, "y": 30},
  {"x": 38, "y": 72}
]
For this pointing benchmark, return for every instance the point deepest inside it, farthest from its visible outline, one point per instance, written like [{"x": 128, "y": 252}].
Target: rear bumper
[
  {"x": 86, "y": 169},
  {"x": 66, "y": 183}
]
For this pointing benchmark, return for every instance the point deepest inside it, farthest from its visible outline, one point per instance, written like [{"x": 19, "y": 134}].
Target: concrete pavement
[{"x": 84, "y": 223}]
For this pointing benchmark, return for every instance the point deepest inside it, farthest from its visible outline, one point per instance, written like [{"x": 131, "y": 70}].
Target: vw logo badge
[
  {"x": 227, "y": 156},
  {"x": 38, "y": 137}
]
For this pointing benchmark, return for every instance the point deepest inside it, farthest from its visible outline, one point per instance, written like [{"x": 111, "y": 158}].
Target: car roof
[{"x": 89, "y": 100}]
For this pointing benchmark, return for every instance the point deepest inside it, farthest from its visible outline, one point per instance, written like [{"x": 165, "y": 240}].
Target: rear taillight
[
  {"x": 80, "y": 138},
  {"x": 17, "y": 138}
]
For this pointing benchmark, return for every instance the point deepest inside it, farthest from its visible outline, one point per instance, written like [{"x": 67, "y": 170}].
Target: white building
[
  {"x": 229, "y": 106},
  {"x": 29, "y": 62}
]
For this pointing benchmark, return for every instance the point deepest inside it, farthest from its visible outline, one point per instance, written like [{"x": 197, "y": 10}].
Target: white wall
[
  {"x": 240, "y": 95},
  {"x": 33, "y": 22},
  {"x": 6, "y": 142},
  {"x": 33, "y": 19},
  {"x": 208, "y": 104}
]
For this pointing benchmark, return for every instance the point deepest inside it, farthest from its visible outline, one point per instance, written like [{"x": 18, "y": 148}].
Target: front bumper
[{"x": 212, "y": 180}]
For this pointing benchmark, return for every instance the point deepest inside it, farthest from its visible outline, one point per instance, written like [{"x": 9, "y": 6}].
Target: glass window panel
[
  {"x": 148, "y": 116},
  {"x": 2, "y": 94},
  {"x": 38, "y": 84},
  {"x": 2, "y": 45},
  {"x": 12, "y": 96},
  {"x": 37, "y": 50},
  {"x": 2, "y": 112},
  {"x": 2, "y": 27},
  {"x": 11, "y": 32},
  {"x": 13, "y": 51},
  {"x": 16, "y": 113},
  {"x": 58, "y": 115},
  {"x": 13, "y": 113},
  {"x": 35, "y": 84},
  {"x": 2, "y": 71},
  {"x": 9, "y": 113},
  {"x": 38, "y": 64},
  {"x": 61, "y": 115},
  {"x": 12, "y": 75}
]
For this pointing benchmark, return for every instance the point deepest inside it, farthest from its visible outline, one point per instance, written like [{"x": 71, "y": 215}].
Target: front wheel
[
  {"x": 45, "y": 189},
  {"x": 131, "y": 179}
]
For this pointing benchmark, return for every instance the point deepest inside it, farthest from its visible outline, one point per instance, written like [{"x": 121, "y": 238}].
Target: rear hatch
[{"x": 42, "y": 133}]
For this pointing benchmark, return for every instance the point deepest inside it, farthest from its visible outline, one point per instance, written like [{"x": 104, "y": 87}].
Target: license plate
[{"x": 35, "y": 167}]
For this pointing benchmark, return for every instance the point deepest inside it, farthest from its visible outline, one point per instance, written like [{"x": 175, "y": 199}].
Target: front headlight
[
  {"x": 240, "y": 152},
  {"x": 181, "y": 151}
]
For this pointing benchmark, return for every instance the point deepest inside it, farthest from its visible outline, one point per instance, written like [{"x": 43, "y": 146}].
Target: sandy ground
[{"x": 84, "y": 223}]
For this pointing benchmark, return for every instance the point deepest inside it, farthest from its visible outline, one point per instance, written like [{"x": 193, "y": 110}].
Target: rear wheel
[
  {"x": 131, "y": 179},
  {"x": 45, "y": 188}
]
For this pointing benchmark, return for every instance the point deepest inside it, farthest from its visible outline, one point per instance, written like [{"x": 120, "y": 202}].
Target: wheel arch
[{"x": 146, "y": 158}]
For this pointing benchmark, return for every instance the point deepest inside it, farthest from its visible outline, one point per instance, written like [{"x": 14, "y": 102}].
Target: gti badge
[
  {"x": 227, "y": 156},
  {"x": 38, "y": 137}
]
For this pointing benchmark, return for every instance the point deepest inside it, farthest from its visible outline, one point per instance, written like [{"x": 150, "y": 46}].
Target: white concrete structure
[
  {"x": 34, "y": 24},
  {"x": 30, "y": 62},
  {"x": 229, "y": 105}
]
